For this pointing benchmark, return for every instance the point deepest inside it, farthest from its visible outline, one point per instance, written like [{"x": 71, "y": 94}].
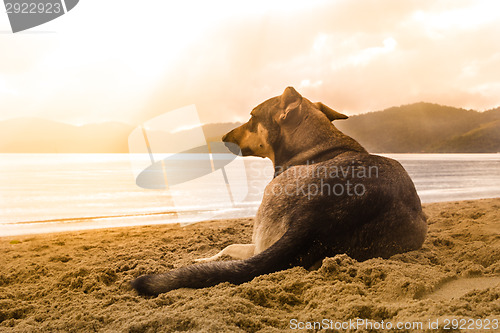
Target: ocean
[{"x": 42, "y": 193}]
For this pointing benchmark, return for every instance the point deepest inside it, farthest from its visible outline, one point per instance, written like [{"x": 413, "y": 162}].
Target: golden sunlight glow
[
  {"x": 478, "y": 14},
  {"x": 122, "y": 61}
]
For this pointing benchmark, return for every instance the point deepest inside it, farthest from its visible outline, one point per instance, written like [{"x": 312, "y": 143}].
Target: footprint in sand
[{"x": 460, "y": 287}]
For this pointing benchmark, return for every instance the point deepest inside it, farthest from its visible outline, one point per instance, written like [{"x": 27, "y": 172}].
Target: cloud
[
  {"x": 365, "y": 56},
  {"x": 355, "y": 56}
]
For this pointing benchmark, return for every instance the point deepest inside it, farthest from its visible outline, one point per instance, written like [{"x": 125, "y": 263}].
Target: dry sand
[{"x": 78, "y": 281}]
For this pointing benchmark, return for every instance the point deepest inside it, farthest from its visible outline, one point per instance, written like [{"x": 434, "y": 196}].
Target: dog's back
[{"x": 360, "y": 204}]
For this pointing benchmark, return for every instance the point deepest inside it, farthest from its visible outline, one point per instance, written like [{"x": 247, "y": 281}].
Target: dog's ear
[
  {"x": 330, "y": 113},
  {"x": 290, "y": 104}
]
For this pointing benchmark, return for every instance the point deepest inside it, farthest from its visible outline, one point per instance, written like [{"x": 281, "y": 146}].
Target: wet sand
[{"x": 78, "y": 281}]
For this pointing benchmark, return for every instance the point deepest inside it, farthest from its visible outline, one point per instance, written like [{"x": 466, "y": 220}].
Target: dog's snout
[
  {"x": 229, "y": 137},
  {"x": 233, "y": 148},
  {"x": 230, "y": 143}
]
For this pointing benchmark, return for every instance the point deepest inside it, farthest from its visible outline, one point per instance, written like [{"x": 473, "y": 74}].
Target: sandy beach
[{"x": 79, "y": 281}]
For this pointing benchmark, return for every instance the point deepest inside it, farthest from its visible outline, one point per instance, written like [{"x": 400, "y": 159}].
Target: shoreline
[
  {"x": 78, "y": 281},
  {"x": 52, "y": 226}
]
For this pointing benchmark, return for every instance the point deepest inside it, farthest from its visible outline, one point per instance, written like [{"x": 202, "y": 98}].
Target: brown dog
[{"x": 328, "y": 196}]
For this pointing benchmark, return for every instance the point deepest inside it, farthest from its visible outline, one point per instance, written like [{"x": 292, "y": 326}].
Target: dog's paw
[{"x": 204, "y": 259}]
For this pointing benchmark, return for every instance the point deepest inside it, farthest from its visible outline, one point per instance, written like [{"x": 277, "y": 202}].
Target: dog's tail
[{"x": 293, "y": 249}]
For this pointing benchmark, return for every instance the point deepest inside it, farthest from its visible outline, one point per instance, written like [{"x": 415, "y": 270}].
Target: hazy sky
[{"x": 131, "y": 60}]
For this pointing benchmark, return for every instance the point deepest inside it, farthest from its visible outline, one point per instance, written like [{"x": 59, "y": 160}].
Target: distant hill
[
  {"x": 413, "y": 128},
  {"x": 425, "y": 128},
  {"x": 484, "y": 138}
]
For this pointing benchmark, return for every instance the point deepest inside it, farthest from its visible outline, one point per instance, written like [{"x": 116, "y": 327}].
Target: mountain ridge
[
  {"x": 413, "y": 128},
  {"x": 420, "y": 128}
]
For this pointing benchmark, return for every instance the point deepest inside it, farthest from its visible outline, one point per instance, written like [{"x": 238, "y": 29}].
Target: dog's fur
[{"x": 296, "y": 227}]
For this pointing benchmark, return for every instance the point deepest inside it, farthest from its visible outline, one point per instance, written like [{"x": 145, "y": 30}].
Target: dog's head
[{"x": 275, "y": 121}]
